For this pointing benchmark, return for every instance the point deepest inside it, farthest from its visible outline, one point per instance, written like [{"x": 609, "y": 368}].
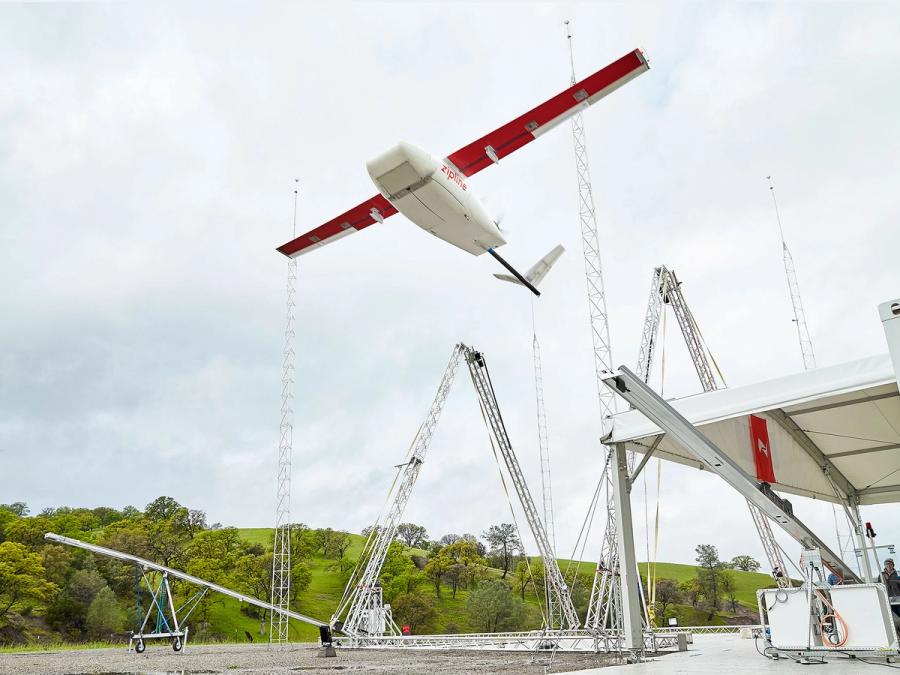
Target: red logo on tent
[{"x": 762, "y": 450}]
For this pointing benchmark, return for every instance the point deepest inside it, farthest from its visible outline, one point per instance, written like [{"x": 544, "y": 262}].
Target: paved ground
[
  {"x": 301, "y": 658},
  {"x": 709, "y": 654},
  {"x": 733, "y": 655}
]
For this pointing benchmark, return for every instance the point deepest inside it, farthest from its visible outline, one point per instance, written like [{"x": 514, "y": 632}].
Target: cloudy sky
[{"x": 147, "y": 160}]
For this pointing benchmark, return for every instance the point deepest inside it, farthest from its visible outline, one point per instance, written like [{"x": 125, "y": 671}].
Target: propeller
[{"x": 496, "y": 208}]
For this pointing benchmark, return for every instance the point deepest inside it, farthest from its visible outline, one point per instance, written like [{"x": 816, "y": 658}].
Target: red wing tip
[{"x": 642, "y": 57}]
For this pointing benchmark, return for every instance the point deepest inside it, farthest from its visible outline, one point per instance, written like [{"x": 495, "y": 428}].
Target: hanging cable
[
  {"x": 708, "y": 351},
  {"x": 655, "y": 537},
  {"x": 651, "y": 563},
  {"x": 369, "y": 545},
  {"x": 651, "y": 610},
  {"x": 511, "y": 509},
  {"x": 586, "y": 525}
]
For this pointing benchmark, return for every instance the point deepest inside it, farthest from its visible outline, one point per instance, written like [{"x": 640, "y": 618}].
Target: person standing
[{"x": 889, "y": 573}]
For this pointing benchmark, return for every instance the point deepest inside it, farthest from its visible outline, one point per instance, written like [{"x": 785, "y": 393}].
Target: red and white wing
[
  {"x": 511, "y": 136},
  {"x": 489, "y": 148},
  {"x": 371, "y": 211}
]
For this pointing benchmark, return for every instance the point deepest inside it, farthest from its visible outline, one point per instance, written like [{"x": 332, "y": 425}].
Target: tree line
[
  {"x": 47, "y": 588},
  {"x": 713, "y": 586},
  {"x": 419, "y": 573}
]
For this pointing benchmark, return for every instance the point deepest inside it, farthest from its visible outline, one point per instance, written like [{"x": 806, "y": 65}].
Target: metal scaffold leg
[
  {"x": 491, "y": 410},
  {"x": 362, "y": 615},
  {"x": 361, "y": 611}
]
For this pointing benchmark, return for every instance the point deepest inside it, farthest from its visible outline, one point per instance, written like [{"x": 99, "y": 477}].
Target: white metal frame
[
  {"x": 144, "y": 565},
  {"x": 175, "y": 633},
  {"x": 604, "y": 608},
  {"x": 582, "y": 640},
  {"x": 637, "y": 393},
  {"x": 665, "y": 289},
  {"x": 362, "y": 595},
  {"x": 281, "y": 549},
  {"x": 627, "y": 385},
  {"x": 490, "y": 408},
  {"x": 815, "y": 611}
]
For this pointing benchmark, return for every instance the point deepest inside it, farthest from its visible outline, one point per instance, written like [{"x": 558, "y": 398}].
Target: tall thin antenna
[
  {"x": 845, "y": 541},
  {"x": 790, "y": 271},
  {"x": 554, "y": 617},
  {"x": 281, "y": 554},
  {"x": 571, "y": 52}
]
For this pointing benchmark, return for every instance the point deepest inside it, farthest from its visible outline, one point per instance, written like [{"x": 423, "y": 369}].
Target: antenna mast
[
  {"x": 281, "y": 554},
  {"x": 806, "y": 348},
  {"x": 845, "y": 541},
  {"x": 554, "y": 615},
  {"x": 604, "y": 610}
]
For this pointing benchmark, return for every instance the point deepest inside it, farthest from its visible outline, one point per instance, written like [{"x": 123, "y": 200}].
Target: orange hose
[{"x": 837, "y": 617}]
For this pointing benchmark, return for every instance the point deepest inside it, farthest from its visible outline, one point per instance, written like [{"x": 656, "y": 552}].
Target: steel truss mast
[
  {"x": 666, "y": 289},
  {"x": 361, "y": 605}
]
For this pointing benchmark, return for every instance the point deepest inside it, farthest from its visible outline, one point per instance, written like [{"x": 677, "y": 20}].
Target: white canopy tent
[{"x": 831, "y": 430}]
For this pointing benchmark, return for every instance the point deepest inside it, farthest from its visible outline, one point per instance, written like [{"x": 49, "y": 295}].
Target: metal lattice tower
[
  {"x": 806, "y": 348},
  {"x": 362, "y": 607},
  {"x": 604, "y": 610},
  {"x": 665, "y": 289},
  {"x": 554, "y": 617},
  {"x": 281, "y": 555},
  {"x": 845, "y": 541}
]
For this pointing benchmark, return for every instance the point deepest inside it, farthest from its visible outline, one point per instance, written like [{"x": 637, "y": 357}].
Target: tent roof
[{"x": 845, "y": 417}]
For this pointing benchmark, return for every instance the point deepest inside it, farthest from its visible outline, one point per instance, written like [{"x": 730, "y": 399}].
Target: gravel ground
[{"x": 298, "y": 658}]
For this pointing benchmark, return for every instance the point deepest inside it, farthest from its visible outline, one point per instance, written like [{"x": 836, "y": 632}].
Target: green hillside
[
  {"x": 747, "y": 582},
  {"x": 326, "y": 588},
  {"x": 61, "y": 596}
]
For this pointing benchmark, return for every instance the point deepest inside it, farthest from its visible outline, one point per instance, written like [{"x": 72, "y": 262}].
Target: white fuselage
[{"x": 435, "y": 196}]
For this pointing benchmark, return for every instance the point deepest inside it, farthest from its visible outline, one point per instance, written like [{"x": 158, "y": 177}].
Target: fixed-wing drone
[{"x": 435, "y": 195}]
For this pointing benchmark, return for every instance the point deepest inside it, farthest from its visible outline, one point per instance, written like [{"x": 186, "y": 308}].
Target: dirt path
[{"x": 299, "y": 658}]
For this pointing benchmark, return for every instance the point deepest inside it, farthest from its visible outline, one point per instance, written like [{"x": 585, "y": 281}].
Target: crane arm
[{"x": 324, "y": 628}]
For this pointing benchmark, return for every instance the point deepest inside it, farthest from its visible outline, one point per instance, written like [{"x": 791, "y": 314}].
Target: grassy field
[
  {"x": 746, "y": 582},
  {"x": 228, "y": 620},
  {"x": 326, "y": 587},
  {"x": 55, "y": 646}
]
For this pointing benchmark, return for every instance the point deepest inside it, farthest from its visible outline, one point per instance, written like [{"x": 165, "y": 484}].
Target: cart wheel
[
  {"x": 176, "y": 644},
  {"x": 139, "y": 647}
]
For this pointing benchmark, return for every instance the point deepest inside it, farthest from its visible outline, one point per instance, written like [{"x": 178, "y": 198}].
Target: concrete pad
[{"x": 729, "y": 654}]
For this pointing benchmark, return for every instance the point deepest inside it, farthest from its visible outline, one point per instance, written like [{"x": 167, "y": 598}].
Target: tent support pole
[
  {"x": 863, "y": 547},
  {"x": 631, "y": 603}
]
